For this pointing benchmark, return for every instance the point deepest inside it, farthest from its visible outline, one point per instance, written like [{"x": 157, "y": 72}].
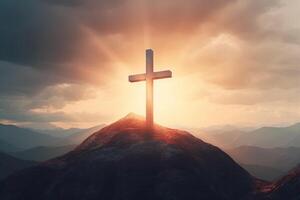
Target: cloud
[
  {"x": 54, "y": 53},
  {"x": 245, "y": 65},
  {"x": 254, "y": 97},
  {"x": 35, "y": 34},
  {"x": 46, "y": 105}
]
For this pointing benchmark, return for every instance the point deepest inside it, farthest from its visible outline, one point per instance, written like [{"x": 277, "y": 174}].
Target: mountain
[
  {"x": 68, "y": 143},
  {"x": 60, "y": 132},
  {"x": 43, "y": 153},
  {"x": 266, "y": 137},
  {"x": 127, "y": 161},
  {"x": 288, "y": 187},
  {"x": 270, "y": 137},
  {"x": 295, "y": 142},
  {"x": 24, "y": 138},
  {"x": 281, "y": 158},
  {"x": 220, "y": 138},
  {"x": 263, "y": 172},
  {"x": 71, "y": 136},
  {"x": 9, "y": 165},
  {"x": 80, "y": 136},
  {"x": 6, "y": 147}
]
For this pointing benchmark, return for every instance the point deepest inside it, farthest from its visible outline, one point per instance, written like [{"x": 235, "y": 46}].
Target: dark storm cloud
[
  {"x": 24, "y": 80},
  {"x": 32, "y": 33}
]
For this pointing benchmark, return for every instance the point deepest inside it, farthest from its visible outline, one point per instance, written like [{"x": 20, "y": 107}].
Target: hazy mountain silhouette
[
  {"x": 24, "y": 138},
  {"x": 80, "y": 136},
  {"x": 221, "y": 138},
  {"x": 126, "y": 161},
  {"x": 6, "y": 147},
  {"x": 13, "y": 138},
  {"x": 295, "y": 142},
  {"x": 59, "y": 132},
  {"x": 263, "y": 172},
  {"x": 9, "y": 165},
  {"x": 266, "y": 137},
  {"x": 43, "y": 153},
  {"x": 270, "y": 137},
  {"x": 282, "y": 159},
  {"x": 71, "y": 136}
]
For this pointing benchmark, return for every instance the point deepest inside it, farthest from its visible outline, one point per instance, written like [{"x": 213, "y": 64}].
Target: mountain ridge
[
  {"x": 24, "y": 138},
  {"x": 125, "y": 160}
]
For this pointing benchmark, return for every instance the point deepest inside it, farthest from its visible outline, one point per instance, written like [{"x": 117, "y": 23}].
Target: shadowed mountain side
[
  {"x": 286, "y": 188},
  {"x": 125, "y": 161},
  {"x": 9, "y": 165}
]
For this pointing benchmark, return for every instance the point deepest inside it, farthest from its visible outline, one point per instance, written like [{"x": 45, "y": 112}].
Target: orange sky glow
[{"x": 231, "y": 61}]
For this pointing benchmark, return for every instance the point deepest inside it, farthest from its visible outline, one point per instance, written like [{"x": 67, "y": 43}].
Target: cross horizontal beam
[
  {"x": 153, "y": 75},
  {"x": 162, "y": 74}
]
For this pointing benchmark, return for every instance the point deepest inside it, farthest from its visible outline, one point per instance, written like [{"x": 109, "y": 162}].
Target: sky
[{"x": 66, "y": 62}]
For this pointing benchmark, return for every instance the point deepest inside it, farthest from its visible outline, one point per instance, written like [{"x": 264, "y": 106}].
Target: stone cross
[{"x": 149, "y": 76}]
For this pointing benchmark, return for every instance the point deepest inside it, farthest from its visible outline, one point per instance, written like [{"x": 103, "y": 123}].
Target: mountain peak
[
  {"x": 132, "y": 129},
  {"x": 125, "y": 160},
  {"x": 133, "y": 115}
]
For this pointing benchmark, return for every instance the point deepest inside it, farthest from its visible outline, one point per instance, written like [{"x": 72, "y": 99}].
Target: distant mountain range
[
  {"x": 9, "y": 165},
  {"x": 43, "y": 153},
  {"x": 79, "y": 136},
  {"x": 22, "y": 138},
  {"x": 266, "y": 163},
  {"x": 127, "y": 161},
  {"x": 282, "y": 159},
  {"x": 263, "y": 172},
  {"x": 266, "y": 137},
  {"x": 6, "y": 147},
  {"x": 15, "y": 139},
  {"x": 270, "y": 137},
  {"x": 60, "y": 132}
]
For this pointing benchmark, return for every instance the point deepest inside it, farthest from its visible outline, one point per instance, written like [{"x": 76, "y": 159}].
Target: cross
[{"x": 149, "y": 76}]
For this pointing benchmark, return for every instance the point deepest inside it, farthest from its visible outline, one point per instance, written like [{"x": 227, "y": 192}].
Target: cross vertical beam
[
  {"x": 149, "y": 88},
  {"x": 149, "y": 76}
]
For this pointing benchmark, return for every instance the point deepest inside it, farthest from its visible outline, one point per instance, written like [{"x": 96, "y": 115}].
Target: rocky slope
[
  {"x": 126, "y": 161},
  {"x": 286, "y": 188}
]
